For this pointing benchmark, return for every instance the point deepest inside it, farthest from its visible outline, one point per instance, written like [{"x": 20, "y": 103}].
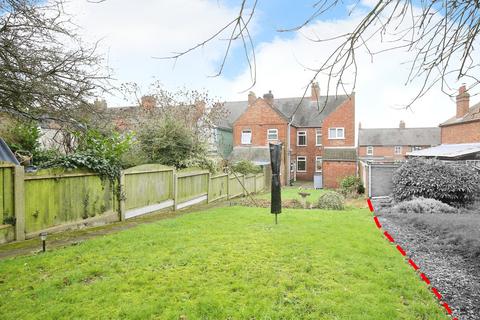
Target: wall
[
  {"x": 343, "y": 116},
  {"x": 335, "y": 171},
  {"x": 386, "y": 152},
  {"x": 461, "y": 133}
]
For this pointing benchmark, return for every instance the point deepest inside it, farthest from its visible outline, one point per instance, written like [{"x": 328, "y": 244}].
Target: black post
[
  {"x": 275, "y": 160},
  {"x": 43, "y": 245}
]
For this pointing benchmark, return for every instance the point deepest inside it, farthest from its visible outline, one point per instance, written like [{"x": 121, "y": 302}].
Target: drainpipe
[{"x": 288, "y": 150}]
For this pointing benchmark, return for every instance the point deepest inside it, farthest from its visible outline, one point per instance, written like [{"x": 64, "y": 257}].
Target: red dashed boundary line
[{"x": 410, "y": 262}]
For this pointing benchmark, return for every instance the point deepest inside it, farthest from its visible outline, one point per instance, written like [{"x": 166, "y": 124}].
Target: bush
[
  {"x": 351, "y": 185},
  {"x": 331, "y": 200},
  {"x": 423, "y": 205},
  {"x": 453, "y": 184},
  {"x": 246, "y": 167}
]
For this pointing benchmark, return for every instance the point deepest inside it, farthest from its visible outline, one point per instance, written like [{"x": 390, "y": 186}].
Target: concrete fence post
[
  {"x": 122, "y": 196},
  {"x": 19, "y": 202}
]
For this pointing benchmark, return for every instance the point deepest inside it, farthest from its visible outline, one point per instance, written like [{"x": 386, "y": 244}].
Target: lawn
[
  {"x": 292, "y": 193},
  {"x": 224, "y": 263}
]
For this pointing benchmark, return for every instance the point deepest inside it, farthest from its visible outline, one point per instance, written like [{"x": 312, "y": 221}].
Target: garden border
[{"x": 415, "y": 267}]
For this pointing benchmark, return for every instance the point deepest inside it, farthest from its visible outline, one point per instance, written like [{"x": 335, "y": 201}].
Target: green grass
[
  {"x": 292, "y": 193},
  {"x": 224, "y": 263}
]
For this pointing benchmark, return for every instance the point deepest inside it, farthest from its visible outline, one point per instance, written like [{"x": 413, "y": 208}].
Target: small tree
[
  {"x": 450, "y": 183},
  {"x": 246, "y": 167}
]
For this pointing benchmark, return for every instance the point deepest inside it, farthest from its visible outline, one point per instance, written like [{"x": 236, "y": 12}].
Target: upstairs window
[
  {"x": 301, "y": 164},
  {"x": 301, "y": 138},
  {"x": 415, "y": 148},
  {"x": 398, "y": 150},
  {"x": 272, "y": 134},
  {"x": 369, "y": 151},
  {"x": 246, "y": 136},
  {"x": 318, "y": 137},
  {"x": 336, "y": 133}
]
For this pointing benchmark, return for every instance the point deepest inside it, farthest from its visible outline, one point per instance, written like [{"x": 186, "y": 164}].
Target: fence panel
[
  {"x": 250, "y": 183},
  {"x": 55, "y": 197},
  {"x": 192, "y": 185},
  {"x": 6, "y": 192},
  {"x": 235, "y": 189},
  {"x": 218, "y": 187},
  {"x": 146, "y": 187},
  {"x": 260, "y": 182}
]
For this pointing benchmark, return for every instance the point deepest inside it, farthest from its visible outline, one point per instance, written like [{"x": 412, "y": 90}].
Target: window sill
[
  {"x": 336, "y": 138},
  {"x": 301, "y": 145}
]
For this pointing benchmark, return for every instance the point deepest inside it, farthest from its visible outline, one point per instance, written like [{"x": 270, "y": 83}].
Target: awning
[{"x": 447, "y": 150}]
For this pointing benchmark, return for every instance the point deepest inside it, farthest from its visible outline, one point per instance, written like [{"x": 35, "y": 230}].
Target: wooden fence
[{"x": 54, "y": 200}]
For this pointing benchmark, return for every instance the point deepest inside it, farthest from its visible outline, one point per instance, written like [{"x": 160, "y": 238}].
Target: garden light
[{"x": 43, "y": 237}]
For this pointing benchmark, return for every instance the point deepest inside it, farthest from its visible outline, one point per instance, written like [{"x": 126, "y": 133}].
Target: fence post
[
  {"x": 19, "y": 202},
  {"x": 243, "y": 182},
  {"x": 228, "y": 186},
  {"x": 209, "y": 181},
  {"x": 122, "y": 196},
  {"x": 175, "y": 189}
]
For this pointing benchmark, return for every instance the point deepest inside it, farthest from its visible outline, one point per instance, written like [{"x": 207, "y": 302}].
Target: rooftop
[
  {"x": 447, "y": 150},
  {"x": 473, "y": 114},
  {"x": 399, "y": 137}
]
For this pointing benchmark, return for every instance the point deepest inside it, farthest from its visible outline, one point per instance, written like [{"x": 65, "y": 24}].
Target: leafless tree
[
  {"x": 439, "y": 35},
  {"x": 46, "y": 71}
]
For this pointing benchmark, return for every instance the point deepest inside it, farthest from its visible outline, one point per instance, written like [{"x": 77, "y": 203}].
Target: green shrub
[
  {"x": 423, "y": 205},
  {"x": 246, "y": 167},
  {"x": 453, "y": 184},
  {"x": 351, "y": 186},
  {"x": 331, "y": 200}
]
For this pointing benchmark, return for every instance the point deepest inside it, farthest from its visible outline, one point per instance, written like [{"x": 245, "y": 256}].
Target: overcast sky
[{"x": 134, "y": 32}]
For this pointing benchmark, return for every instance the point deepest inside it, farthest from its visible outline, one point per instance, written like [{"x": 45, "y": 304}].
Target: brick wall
[
  {"x": 461, "y": 133},
  {"x": 259, "y": 117},
  {"x": 335, "y": 171},
  {"x": 344, "y": 117},
  {"x": 387, "y": 152}
]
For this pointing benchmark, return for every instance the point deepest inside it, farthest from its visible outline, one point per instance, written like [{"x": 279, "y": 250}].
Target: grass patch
[
  {"x": 292, "y": 193},
  {"x": 224, "y": 263}
]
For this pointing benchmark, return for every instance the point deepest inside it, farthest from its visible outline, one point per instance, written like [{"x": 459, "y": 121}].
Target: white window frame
[
  {"x": 241, "y": 137},
  {"x": 317, "y": 159},
  {"x": 399, "y": 148},
  {"x": 337, "y": 129},
  {"x": 298, "y": 138},
  {"x": 369, "y": 150},
  {"x": 303, "y": 158},
  {"x": 272, "y": 131},
  {"x": 416, "y": 148},
  {"x": 318, "y": 133}
]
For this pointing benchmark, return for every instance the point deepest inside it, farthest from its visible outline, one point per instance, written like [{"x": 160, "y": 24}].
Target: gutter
[{"x": 288, "y": 150}]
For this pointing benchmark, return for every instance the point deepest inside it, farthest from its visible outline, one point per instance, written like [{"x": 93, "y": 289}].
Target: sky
[{"x": 133, "y": 35}]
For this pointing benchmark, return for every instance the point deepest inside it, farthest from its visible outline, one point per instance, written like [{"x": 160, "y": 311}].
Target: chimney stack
[
  {"x": 402, "y": 124},
  {"x": 268, "y": 97},
  {"x": 463, "y": 101},
  {"x": 148, "y": 103},
  {"x": 251, "y": 98},
  {"x": 315, "y": 92}
]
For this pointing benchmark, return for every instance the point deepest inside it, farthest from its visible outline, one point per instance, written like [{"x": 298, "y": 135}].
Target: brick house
[
  {"x": 392, "y": 144},
  {"x": 464, "y": 127},
  {"x": 317, "y": 132}
]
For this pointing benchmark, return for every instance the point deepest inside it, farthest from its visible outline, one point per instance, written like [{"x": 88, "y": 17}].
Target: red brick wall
[
  {"x": 344, "y": 117},
  {"x": 461, "y": 133},
  {"x": 388, "y": 152},
  {"x": 311, "y": 150},
  {"x": 259, "y": 117},
  {"x": 335, "y": 171}
]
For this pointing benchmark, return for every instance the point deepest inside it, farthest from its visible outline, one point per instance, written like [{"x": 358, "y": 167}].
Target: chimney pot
[
  {"x": 251, "y": 98},
  {"x": 268, "y": 97},
  {"x": 402, "y": 124},
  {"x": 315, "y": 92},
  {"x": 463, "y": 101}
]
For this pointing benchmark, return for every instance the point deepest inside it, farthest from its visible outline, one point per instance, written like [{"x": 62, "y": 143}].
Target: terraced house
[{"x": 317, "y": 134}]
